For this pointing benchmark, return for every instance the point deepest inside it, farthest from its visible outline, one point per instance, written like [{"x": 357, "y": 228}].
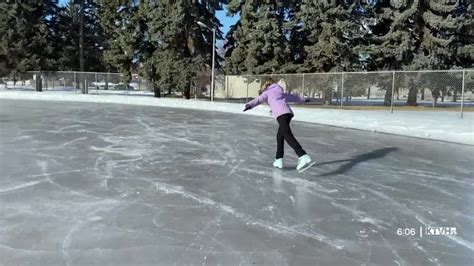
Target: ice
[{"x": 107, "y": 184}]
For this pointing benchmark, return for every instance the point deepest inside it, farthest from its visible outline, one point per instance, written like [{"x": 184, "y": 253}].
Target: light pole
[{"x": 213, "y": 55}]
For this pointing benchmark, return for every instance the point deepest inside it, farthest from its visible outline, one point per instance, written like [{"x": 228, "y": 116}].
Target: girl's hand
[{"x": 247, "y": 107}]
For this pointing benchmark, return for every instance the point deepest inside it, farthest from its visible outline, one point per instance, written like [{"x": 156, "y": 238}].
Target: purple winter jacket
[{"x": 277, "y": 100}]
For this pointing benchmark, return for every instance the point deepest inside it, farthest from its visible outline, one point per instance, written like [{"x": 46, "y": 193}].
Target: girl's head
[{"x": 266, "y": 82}]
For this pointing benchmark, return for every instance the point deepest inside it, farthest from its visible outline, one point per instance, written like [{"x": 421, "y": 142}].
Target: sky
[
  {"x": 221, "y": 15},
  {"x": 226, "y": 21}
]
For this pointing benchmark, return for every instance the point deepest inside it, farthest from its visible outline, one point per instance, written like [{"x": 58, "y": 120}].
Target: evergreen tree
[
  {"x": 29, "y": 36},
  {"x": 160, "y": 62},
  {"x": 296, "y": 38},
  {"x": 258, "y": 39},
  {"x": 180, "y": 47},
  {"x": 69, "y": 28},
  {"x": 149, "y": 45},
  {"x": 93, "y": 37},
  {"x": 388, "y": 37},
  {"x": 446, "y": 42},
  {"x": 447, "y": 35},
  {"x": 119, "y": 21},
  {"x": 329, "y": 27}
]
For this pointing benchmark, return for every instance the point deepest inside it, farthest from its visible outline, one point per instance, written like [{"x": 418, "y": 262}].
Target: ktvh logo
[
  {"x": 428, "y": 231},
  {"x": 440, "y": 231}
]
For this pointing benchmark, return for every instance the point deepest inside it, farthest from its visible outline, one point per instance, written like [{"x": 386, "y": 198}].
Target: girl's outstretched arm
[
  {"x": 294, "y": 98},
  {"x": 255, "y": 102}
]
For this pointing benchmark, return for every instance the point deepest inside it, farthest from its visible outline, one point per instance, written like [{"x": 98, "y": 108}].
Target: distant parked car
[
  {"x": 103, "y": 85},
  {"x": 123, "y": 87}
]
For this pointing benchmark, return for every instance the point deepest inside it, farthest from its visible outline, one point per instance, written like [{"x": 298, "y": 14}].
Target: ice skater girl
[{"x": 272, "y": 93}]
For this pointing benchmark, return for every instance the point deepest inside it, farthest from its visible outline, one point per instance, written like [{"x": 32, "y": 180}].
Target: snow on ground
[{"x": 436, "y": 125}]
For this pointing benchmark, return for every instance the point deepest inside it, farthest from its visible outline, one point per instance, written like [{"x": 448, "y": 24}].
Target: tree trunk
[
  {"x": 187, "y": 92},
  {"x": 412, "y": 94},
  {"x": 388, "y": 97},
  {"x": 39, "y": 82},
  {"x": 156, "y": 89},
  {"x": 106, "y": 81},
  {"x": 422, "y": 94},
  {"x": 368, "y": 93},
  {"x": 328, "y": 96},
  {"x": 455, "y": 95},
  {"x": 81, "y": 45},
  {"x": 442, "y": 97},
  {"x": 435, "y": 94}
]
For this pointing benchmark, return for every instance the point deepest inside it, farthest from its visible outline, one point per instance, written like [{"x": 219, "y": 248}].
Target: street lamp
[{"x": 213, "y": 55}]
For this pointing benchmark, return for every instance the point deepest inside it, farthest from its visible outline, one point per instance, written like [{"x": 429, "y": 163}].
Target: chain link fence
[
  {"x": 435, "y": 89},
  {"x": 367, "y": 90},
  {"x": 394, "y": 90},
  {"x": 76, "y": 82},
  {"x": 201, "y": 87}
]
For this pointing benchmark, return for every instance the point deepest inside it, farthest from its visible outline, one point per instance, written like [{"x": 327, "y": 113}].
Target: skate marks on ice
[
  {"x": 383, "y": 206},
  {"x": 116, "y": 184}
]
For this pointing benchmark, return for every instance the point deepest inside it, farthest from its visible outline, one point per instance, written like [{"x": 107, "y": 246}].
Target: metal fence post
[
  {"x": 74, "y": 85},
  {"x": 45, "y": 87},
  {"x": 96, "y": 84},
  {"x": 462, "y": 92},
  {"x": 247, "y": 99},
  {"x": 139, "y": 83},
  {"x": 342, "y": 91},
  {"x": 82, "y": 85},
  {"x": 302, "y": 87},
  {"x": 226, "y": 84},
  {"x": 40, "y": 84},
  {"x": 393, "y": 92},
  {"x": 107, "y": 81}
]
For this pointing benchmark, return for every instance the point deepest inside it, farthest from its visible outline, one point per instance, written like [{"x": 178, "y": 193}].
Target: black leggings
[{"x": 284, "y": 133}]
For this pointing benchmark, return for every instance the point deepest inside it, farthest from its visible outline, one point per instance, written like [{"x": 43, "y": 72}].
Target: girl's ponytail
[{"x": 265, "y": 83}]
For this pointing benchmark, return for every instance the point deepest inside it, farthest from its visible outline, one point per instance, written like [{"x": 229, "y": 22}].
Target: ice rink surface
[{"x": 105, "y": 184}]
